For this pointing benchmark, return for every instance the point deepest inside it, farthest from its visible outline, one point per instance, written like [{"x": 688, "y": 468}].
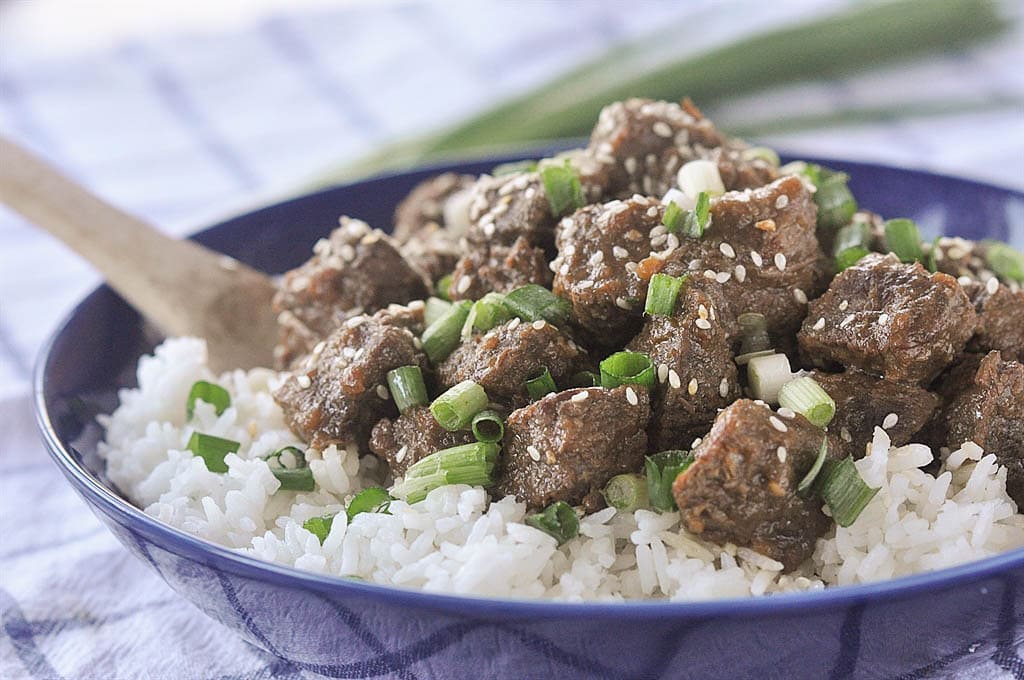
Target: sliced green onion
[
  {"x": 485, "y": 314},
  {"x": 662, "y": 470},
  {"x": 807, "y": 482},
  {"x": 319, "y": 526},
  {"x": 766, "y": 376},
  {"x": 850, "y": 257},
  {"x": 853, "y": 235},
  {"x": 836, "y": 205},
  {"x": 467, "y": 464},
  {"x": 541, "y": 385},
  {"x": 754, "y": 332},
  {"x": 627, "y": 368},
  {"x": 806, "y": 397},
  {"x": 407, "y": 387},
  {"x": 434, "y": 309},
  {"x": 455, "y": 408},
  {"x": 844, "y": 491},
  {"x": 558, "y": 520},
  {"x": 697, "y": 220},
  {"x": 514, "y": 168},
  {"x": 700, "y": 176},
  {"x": 585, "y": 379},
  {"x": 212, "y": 450},
  {"x": 563, "y": 188},
  {"x": 626, "y": 492},
  {"x": 210, "y": 393},
  {"x": 761, "y": 153},
  {"x": 442, "y": 336},
  {"x": 370, "y": 499},
  {"x": 673, "y": 217},
  {"x": 488, "y": 426},
  {"x": 662, "y": 292},
  {"x": 1007, "y": 262},
  {"x": 534, "y": 303},
  {"x": 289, "y": 466},
  {"x": 444, "y": 284},
  {"x": 903, "y": 238},
  {"x": 933, "y": 256}
]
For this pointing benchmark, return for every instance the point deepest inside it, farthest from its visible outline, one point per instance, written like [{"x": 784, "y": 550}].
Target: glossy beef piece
[
  {"x": 696, "y": 372},
  {"x": 988, "y": 409},
  {"x": 505, "y": 357},
  {"x": 890, "y": 319},
  {"x": 566, "y": 446},
  {"x": 355, "y": 270},
  {"x": 499, "y": 269},
  {"x": 507, "y": 207},
  {"x": 645, "y": 142},
  {"x": 340, "y": 390},
  {"x": 1000, "y": 318},
  {"x": 741, "y": 488},
  {"x": 412, "y": 436},
  {"x": 424, "y": 206},
  {"x": 863, "y": 402},
  {"x": 432, "y": 251}
]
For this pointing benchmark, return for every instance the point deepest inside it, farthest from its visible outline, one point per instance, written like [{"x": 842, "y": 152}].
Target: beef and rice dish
[{"x": 659, "y": 366}]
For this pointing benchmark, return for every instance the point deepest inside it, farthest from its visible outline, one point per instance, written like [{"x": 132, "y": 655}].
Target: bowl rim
[{"x": 192, "y": 547}]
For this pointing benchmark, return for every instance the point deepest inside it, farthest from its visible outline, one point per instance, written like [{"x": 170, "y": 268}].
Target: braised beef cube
[
  {"x": 863, "y": 402},
  {"x": 1000, "y": 318},
  {"x": 424, "y": 207},
  {"x": 567, "y": 445},
  {"x": 355, "y": 270},
  {"x": 412, "y": 436},
  {"x": 432, "y": 251},
  {"x": 505, "y": 357},
  {"x": 645, "y": 142},
  {"x": 742, "y": 486},
  {"x": 597, "y": 269},
  {"x": 890, "y": 319},
  {"x": 696, "y": 372},
  {"x": 988, "y": 409},
  {"x": 506, "y": 208},
  {"x": 498, "y": 269},
  {"x": 961, "y": 257},
  {"x": 340, "y": 390}
]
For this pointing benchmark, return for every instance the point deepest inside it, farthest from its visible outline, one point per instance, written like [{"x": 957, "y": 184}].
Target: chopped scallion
[
  {"x": 766, "y": 376},
  {"x": 558, "y": 520},
  {"x": 455, "y": 409},
  {"x": 370, "y": 499},
  {"x": 485, "y": 314},
  {"x": 1006, "y": 261},
  {"x": 541, "y": 385},
  {"x": 289, "y": 465},
  {"x": 807, "y": 483},
  {"x": 535, "y": 303},
  {"x": 626, "y": 492},
  {"x": 836, "y": 205},
  {"x": 844, "y": 491},
  {"x": 696, "y": 221},
  {"x": 563, "y": 188},
  {"x": 212, "y": 394},
  {"x": 442, "y": 336},
  {"x": 662, "y": 470},
  {"x": 933, "y": 256},
  {"x": 407, "y": 387},
  {"x": 852, "y": 235},
  {"x": 488, "y": 426},
  {"x": 850, "y": 257},
  {"x": 673, "y": 217},
  {"x": 662, "y": 292},
  {"x": 434, "y": 309},
  {"x": 444, "y": 284},
  {"x": 319, "y": 526},
  {"x": 761, "y": 153},
  {"x": 627, "y": 368},
  {"x": 805, "y": 396},
  {"x": 903, "y": 238},
  {"x": 212, "y": 450},
  {"x": 754, "y": 333},
  {"x": 700, "y": 176},
  {"x": 467, "y": 464}
]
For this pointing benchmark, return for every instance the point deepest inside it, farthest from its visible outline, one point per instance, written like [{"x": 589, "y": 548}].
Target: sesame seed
[
  {"x": 514, "y": 323},
  {"x": 847, "y": 321},
  {"x": 696, "y": 442},
  {"x": 662, "y": 129},
  {"x": 538, "y": 324},
  {"x": 622, "y": 303},
  {"x": 464, "y": 283},
  {"x": 781, "y": 453},
  {"x": 777, "y": 424},
  {"x": 662, "y": 373},
  {"x": 631, "y": 396},
  {"x": 382, "y": 392},
  {"x": 702, "y": 311},
  {"x": 319, "y": 347},
  {"x": 702, "y": 324},
  {"x": 673, "y": 379},
  {"x": 722, "y": 277},
  {"x": 534, "y": 453},
  {"x": 800, "y": 296},
  {"x": 964, "y": 280},
  {"x": 304, "y": 381},
  {"x": 956, "y": 252},
  {"x": 843, "y": 305},
  {"x": 585, "y": 283},
  {"x": 630, "y": 165},
  {"x": 845, "y": 435},
  {"x": 727, "y": 250},
  {"x": 580, "y": 396},
  {"x": 756, "y": 258},
  {"x": 890, "y": 421},
  {"x": 652, "y": 211},
  {"x": 883, "y": 317},
  {"x": 597, "y": 258},
  {"x": 400, "y": 456},
  {"x": 780, "y": 262},
  {"x": 782, "y": 201},
  {"x": 765, "y": 225},
  {"x": 620, "y": 252},
  {"x": 992, "y": 285},
  {"x": 723, "y": 388},
  {"x": 710, "y": 274},
  {"x": 740, "y": 272},
  {"x": 691, "y": 387},
  {"x": 787, "y": 412}
]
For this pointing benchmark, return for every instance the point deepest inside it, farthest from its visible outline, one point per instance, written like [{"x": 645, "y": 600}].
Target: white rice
[{"x": 456, "y": 541}]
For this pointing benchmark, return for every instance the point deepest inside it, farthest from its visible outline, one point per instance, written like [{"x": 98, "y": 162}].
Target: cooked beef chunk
[
  {"x": 424, "y": 206},
  {"x": 340, "y": 391},
  {"x": 432, "y": 251},
  {"x": 412, "y": 436},
  {"x": 863, "y": 402},
  {"x": 507, "y": 207},
  {"x": 741, "y": 487},
  {"x": 356, "y": 270},
  {"x": 505, "y": 357},
  {"x": 553, "y": 450},
  {"x": 645, "y": 143},
  {"x": 961, "y": 257},
  {"x": 1000, "y": 318},
  {"x": 889, "y": 318},
  {"x": 696, "y": 372},
  {"x": 500, "y": 269}
]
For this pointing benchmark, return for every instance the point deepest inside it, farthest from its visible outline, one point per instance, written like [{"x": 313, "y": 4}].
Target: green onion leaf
[
  {"x": 289, "y": 466},
  {"x": 662, "y": 470},
  {"x": 844, "y": 491},
  {"x": 852, "y": 235},
  {"x": 434, "y": 309},
  {"x": 212, "y": 450},
  {"x": 836, "y": 205},
  {"x": 807, "y": 482},
  {"x": 407, "y": 387},
  {"x": 485, "y": 314},
  {"x": 806, "y": 397},
  {"x": 754, "y": 333},
  {"x": 210, "y": 393},
  {"x": 319, "y": 526},
  {"x": 442, "y": 336},
  {"x": 488, "y": 426},
  {"x": 534, "y": 303},
  {"x": 903, "y": 238},
  {"x": 558, "y": 520},
  {"x": 627, "y": 368},
  {"x": 626, "y": 492},
  {"x": 697, "y": 220},
  {"x": 1007, "y": 262},
  {"x": 673, "y": 217},
  {"x": 541, "y": 385},
  {"x": 370, "y": 499},
  {"x": 662, "y": 292},
  {"x": 850, "y": 257},
  {"x": 933, "y": 256},
  {"x": 563, "y": 188},
  {"x": 444, "y": 284},
  {"x": 767, "y": 374},
  {"x": 455, "y": 409},
  {"x": 514, "y": 168},
  {"x": 467, "y": 464},
  {"x": 761, "y": 153}
]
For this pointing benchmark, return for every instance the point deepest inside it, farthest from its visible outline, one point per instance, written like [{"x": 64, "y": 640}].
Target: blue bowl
[{"x": 345, "y": 628}]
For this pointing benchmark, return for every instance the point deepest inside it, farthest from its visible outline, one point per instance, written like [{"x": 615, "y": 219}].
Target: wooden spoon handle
[{"x": 177, "y": 284}]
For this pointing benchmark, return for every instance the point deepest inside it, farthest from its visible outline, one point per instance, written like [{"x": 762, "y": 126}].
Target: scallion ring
[
  {"x": 212, "y": 450},
  {"x": 558, "y": 520},
  {"x": 407, "y": 387},
  {"x": 488, "y": 426},
  {"x": 370, "y": 499},
  {"x": 627, "y": 368},
  {"x": 289, "y": 466},
  {"x": 442, "y": 337},
  {"x": 455, "y": 409},
  {"x": 844, "y": 491},
  {"x": 662, "y": 292},
  {"x": 807, "y": 483},
  {"x": 562, "y": 187},
  {"x": 627, "y": 492},
  {"x": 805, "y": 396},
  {"x": 209, "y": 392},
  {"x": 319, "y": 526},
  {"x": 903, "y": 238},
  {"x": 466, "y": 464},
  {"x": 662, "y": 470},
  {"x": 533, "y": 302}
]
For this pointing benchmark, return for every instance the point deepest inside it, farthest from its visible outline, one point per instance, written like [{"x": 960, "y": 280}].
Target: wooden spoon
[{"x": 182, "y": 287}]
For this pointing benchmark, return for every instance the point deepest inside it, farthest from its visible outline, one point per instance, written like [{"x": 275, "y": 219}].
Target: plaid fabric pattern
[{"x": 185, "y": 128}]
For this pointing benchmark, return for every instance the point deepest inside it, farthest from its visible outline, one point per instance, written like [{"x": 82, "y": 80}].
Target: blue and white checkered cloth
[{"x": 184, "y": 128}]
